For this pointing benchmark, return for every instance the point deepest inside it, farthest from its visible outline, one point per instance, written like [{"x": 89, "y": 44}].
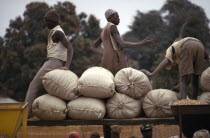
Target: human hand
[
  {"x": 149, "y": 74},
  {"x": 64, "y": 68},
  {"x": 176, "y": 88},
  {"x": 148, "y": 41},
  {"x": 116, "y": 128}
]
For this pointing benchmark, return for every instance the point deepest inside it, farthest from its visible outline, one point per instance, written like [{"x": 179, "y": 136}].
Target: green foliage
[{"x": 23, "y": 48}]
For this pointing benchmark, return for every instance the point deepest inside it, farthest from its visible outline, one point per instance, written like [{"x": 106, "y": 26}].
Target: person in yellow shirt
[{"x": 190, "y": 54}]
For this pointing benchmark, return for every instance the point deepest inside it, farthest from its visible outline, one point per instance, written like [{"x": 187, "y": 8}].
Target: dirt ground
[{"x": 159, "y": 131}]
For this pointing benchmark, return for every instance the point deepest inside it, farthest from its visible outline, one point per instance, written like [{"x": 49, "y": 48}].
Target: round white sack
[
  {"x": 205, "y": 80},
  {"x": 61, "y": 83},
  {"x": 121, "y": 106},
  {"x": 132, "y": 82},
  {"x": 86, "y": 108},
  {"x": 96, "y": 82},
  {"x": 156, "y": 103},
  {"x": 48, "y": 107}
]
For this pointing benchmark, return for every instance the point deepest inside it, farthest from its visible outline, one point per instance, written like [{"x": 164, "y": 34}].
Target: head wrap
[
  {"x": 53, "y": 15},
  {"x": 109, "y": 12},
  {"x": 75, "y": 134}
]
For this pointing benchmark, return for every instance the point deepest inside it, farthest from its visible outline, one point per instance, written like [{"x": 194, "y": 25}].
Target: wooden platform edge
[{"x": 135, "y": 121}]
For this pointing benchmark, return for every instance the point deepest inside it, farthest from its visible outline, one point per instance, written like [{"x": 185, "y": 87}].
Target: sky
[{"x": 10, "y": 9}]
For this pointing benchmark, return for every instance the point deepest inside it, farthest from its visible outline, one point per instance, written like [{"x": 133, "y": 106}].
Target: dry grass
[{"x": 160, "y": 131}]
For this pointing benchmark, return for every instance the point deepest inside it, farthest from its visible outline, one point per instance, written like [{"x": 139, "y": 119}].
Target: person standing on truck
[
  {"x": 59, "y": 55},
  {"x": 113, "y": 45},
  {"x": 190, "y": 54},
  {"x": 113, "y": 56}
]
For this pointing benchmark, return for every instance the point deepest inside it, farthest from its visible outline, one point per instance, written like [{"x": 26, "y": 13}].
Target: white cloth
[
  {"x": 56, "y": 50},
  {"x": 109, "y": 12}
]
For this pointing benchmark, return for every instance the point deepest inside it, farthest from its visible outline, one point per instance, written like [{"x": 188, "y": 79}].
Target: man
[
  {"x": 189, "y": 53},
  {"x": 59, "y": 55},
  {"x": 113, "y": 52}
]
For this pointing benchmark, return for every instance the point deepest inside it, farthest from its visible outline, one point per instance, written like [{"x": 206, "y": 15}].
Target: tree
[{"x": 146, "y": 25}]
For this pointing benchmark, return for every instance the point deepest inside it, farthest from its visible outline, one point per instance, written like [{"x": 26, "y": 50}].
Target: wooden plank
[{"x": 135, "y": 121}]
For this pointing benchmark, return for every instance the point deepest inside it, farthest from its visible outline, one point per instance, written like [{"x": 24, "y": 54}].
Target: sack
[
  {"x": 156, "y": 103},
  {"x": 205, "y": 80},
  {"x": 86, "y": 108},
  {"x": 132, "y": 82},
  {"x": 121, "y": 106},
  {"x": 96, "y": 82},
  {"x": 48, "y": 107},
  {"x": 205, "y": 97},
  {"x": 61, "y": 83}
]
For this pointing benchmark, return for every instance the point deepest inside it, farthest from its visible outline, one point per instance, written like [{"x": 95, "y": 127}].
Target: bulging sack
[
  {"x": 205, "y": 80},
  {"x": 61, "y": 83},
  {"x": 96, "y": 82},
  {"x": 205, "y": 97},
  {"x": 121, "y": 106},
  {"x": 156, "y": 103},
  {"x": 86, "y": 108},
  {"x": 132, "y": 82},
  {"x": 48, "y": 107}
]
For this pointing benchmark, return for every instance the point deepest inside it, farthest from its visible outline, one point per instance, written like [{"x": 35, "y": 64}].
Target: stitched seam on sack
[
  {"x": 84, "y": 110},
  {"x": 96, "y": 86},
  {"x": 51, "y": 110},
  {"x": 59, "y": 84}
]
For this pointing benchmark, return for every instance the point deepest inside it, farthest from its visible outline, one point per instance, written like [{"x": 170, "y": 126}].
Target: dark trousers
[{"x": 107, "y": 131}]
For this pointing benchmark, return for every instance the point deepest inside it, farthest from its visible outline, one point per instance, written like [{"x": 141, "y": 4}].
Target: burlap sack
[
  {"x": 96, "y": 82},
  {"x": 86, "y": 108},
  {"x": 205, "y": 80},
  {"x": 204, "y": 97},
  {"x": 48, "y": 107},
  {"x": 121, "y": 106},
  {"x": 156, "y": 103},
  {"x": 61, "y": 83},
  {"x": 132, "y": 82}
]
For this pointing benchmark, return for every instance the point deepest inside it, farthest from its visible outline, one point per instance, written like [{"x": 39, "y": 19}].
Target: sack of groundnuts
[
  {"x": 156, "y": 103},
  {"x": 121, "y": 106},
  {"x": 48, "y": 107},
  {"x": 86, "y": 108},
  {"x": 96, "y": 82},
  {"x": 132, "y": 82}
]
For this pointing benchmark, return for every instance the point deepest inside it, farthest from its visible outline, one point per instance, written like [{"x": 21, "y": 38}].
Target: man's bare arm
[
  {"x": 95, "y": 46},
  {"x": 125, "y": 44},
  {"x": 59, "y": 36},
  {"x": 159, "y": 68}
]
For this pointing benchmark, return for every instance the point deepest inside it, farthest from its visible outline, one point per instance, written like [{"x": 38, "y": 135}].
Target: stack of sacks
[
  {"x": 132, "y": 85},
  {"x": 95, "y": 82},
  {"x": 205, "y": 80},
  {"x": 156, "y": 103},
  {"x": 61, "y": 85},
  {"x": 205, "y": 97}
]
